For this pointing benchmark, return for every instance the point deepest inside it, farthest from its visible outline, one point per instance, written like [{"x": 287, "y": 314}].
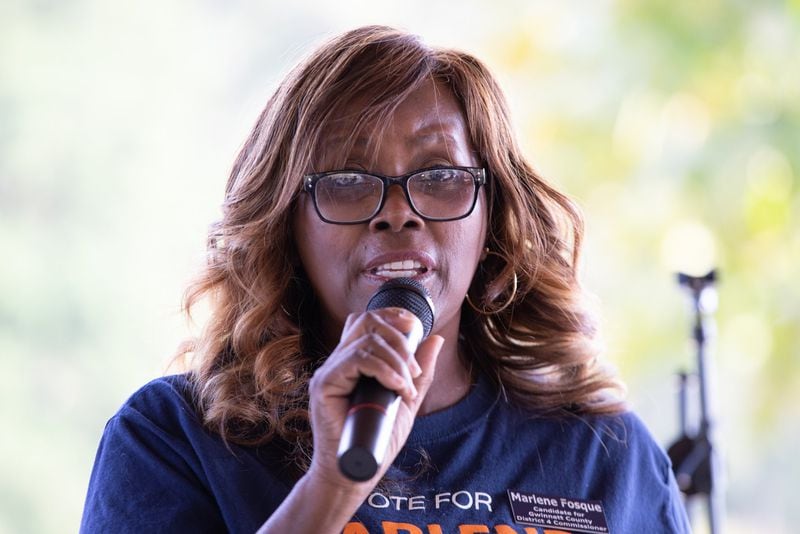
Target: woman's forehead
[
  {"x": 430, "y": 131},
  {"x": 430, "y": 114}
]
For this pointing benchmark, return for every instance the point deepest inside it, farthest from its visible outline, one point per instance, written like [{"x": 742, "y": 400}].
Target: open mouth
[{"x": 399, "y": 269}]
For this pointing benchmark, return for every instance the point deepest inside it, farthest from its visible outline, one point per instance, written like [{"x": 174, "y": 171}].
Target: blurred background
[{"x": 675, "y": 125}]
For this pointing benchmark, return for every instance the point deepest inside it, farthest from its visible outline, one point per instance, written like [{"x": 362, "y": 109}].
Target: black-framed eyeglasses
[{"x": 435, "y": 194}]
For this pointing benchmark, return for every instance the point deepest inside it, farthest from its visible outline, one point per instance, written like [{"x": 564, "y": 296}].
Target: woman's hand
[{"x": 372, "y": 344}]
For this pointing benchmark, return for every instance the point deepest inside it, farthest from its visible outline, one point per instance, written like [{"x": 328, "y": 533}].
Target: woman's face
[{"x": 346, "y": 264}]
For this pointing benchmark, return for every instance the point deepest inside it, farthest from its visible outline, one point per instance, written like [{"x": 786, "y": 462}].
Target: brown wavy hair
[{"x": 254, "y": 358}]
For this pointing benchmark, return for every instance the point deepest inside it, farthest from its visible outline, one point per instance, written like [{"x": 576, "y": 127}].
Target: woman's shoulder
[
  {"x": 616, "y": 437},
  {"x": 615, "y": 444},
  {"x": 164, "y": 405},
  {"x": 170, "y": 389},
  {"x": 161, "y": 394},
  {"x": 625, "y": 430},
  {"x": 625, "y": 427}
]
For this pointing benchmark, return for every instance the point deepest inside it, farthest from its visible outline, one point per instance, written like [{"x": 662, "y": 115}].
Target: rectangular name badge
[{"x": 563, "y": 513}]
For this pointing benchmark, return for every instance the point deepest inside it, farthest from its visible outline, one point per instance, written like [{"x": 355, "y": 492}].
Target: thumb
[{"x": 427, "y": 354}]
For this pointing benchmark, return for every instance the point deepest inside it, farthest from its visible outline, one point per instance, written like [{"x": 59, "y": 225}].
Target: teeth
[
  {"x": 397, "y": 269},
  {"x": 405, "y": 265}
]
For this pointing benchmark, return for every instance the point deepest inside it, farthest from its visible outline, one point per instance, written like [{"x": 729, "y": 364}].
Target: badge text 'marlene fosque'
[{"x": 532, "y": 498}]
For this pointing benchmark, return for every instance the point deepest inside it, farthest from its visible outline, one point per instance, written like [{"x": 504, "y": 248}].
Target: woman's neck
[{"x": 452, "y": 380}]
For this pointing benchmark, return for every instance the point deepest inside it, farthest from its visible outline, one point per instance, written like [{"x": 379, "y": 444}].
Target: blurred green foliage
[{"x": 676, "y": 125}]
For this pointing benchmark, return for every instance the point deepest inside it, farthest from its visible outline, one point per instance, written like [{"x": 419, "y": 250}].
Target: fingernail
[{"x": 416, "y": 370}]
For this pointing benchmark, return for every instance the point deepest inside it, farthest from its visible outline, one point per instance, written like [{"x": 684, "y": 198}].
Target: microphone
[{"x": 373, "y": 408}]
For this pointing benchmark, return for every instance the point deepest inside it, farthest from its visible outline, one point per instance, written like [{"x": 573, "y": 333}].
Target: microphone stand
[{"x": 695, "y": 458}]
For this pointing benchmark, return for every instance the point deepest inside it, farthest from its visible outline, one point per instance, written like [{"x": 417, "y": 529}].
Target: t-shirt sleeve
[
  {"x": 674, "y": 508},
  {"x": 656, "y": 482},
  {"x": 145, "y": 477}
]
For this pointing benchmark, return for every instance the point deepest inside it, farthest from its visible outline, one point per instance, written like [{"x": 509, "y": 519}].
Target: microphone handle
[{"x": 367, "y": 429}]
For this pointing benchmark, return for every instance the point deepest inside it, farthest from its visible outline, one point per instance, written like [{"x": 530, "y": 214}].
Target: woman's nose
[{"x": 396, "y": 213}]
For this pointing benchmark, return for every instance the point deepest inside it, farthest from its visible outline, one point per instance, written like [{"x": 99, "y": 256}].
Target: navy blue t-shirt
[{"x": 480, "y": 466}]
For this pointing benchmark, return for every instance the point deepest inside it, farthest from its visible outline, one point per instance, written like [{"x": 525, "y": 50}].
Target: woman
[{"x": 507, "y": 423}]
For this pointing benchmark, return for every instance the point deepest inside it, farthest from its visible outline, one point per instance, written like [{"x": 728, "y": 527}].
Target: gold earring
[{"x": 514, "y": 285}]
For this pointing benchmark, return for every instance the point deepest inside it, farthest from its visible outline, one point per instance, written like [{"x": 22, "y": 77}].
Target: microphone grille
[{"x": 408, "y": 294}]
